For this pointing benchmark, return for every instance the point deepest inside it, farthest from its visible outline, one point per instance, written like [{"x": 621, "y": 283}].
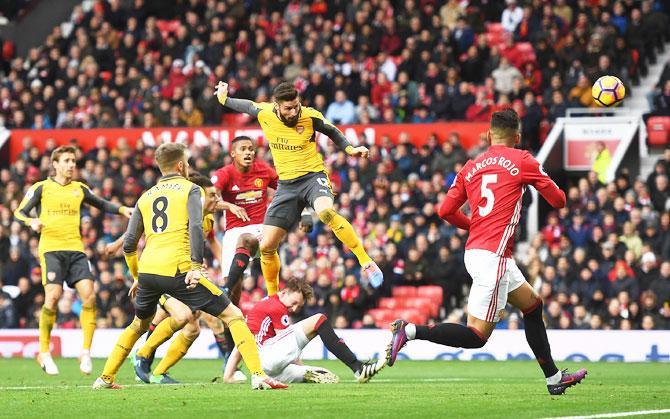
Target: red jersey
[
  {"x": 493, "y": 184},
  {"x": 247, "y": 190},
  {"x": 267, "y": 317}
]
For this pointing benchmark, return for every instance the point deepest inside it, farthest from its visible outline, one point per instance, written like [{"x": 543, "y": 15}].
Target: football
[{"x": 608, "y": 91}]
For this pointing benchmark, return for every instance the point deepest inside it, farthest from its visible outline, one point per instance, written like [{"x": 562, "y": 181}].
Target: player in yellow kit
[
  {"x": 58, "y": 201},
  {"x": 290, "y": 130},
  {"x": 170, "y": 216},
  {"x": 172, "y": 307}
]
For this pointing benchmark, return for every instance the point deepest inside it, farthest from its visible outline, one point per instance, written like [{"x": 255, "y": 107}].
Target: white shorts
[
  {"x": 279, "y": 352},
  {"x": 229, "y": 244},
  {"x": 493, "y": 277}
]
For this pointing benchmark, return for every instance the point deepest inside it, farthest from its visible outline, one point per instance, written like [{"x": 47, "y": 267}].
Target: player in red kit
[
  {"x": 493, "y": 184},
  {"x": 281, "y": 343},
  {"x": 244, "y": 188}
]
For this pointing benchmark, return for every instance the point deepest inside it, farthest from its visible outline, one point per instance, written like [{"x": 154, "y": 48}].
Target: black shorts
[
  {"x": 205, "y": 296},
  {"x": 65, "y": 266},
  {"x": 293, "y": 196}
]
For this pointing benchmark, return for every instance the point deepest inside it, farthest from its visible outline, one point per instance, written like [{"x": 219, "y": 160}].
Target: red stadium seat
[
  {"x": 378, "y": 314},
  {"x": 433, "y": 292},
  {"x": 658, "y": 128},
  {"x": 390, "y": 303},
  {"x": 404, "y": 291},
  {"x": 496, "y": 27},
  {"x": 412, "y": 315},
  {"x": 425, "y": 305}
]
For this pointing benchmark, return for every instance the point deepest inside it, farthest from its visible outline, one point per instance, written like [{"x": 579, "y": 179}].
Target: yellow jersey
[
  {"x": 59, "y": 210},
  {"x": 166, "y": 213},
  {"x": 294, "y": 149}
]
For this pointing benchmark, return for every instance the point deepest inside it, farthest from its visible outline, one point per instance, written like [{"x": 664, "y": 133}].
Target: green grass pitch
[{"x": 410, "y": 389}]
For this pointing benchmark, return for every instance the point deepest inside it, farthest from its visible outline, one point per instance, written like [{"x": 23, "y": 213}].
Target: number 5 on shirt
[{"x": 488, "y": 194}]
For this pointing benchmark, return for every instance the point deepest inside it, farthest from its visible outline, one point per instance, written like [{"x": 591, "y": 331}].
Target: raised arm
[
  {"x": 238, "y": 105},
  {"x": 91, "y": 199},
  {"x": 322, "y": 125},
  {"x": 533, "y": 174},
  {"x": 450, "y": 210}
]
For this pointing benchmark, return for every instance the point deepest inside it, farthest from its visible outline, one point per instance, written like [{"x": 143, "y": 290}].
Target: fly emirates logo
[{"x": 490, "y": 161}]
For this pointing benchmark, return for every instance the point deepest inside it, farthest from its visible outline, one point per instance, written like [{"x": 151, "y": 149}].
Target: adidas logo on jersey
[{"x": 235, "y": 188}]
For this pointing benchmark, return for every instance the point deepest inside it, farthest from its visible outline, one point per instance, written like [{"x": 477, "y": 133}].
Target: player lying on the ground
[
  {"x": 493, "y": 184},
  {"x": 58, "y": 201},
  {"x": 303, "y": 182},
  {"x": 244, "y": 185},
  {"x": 170, "y": 215},
  {"x": 281, "y": 344}
]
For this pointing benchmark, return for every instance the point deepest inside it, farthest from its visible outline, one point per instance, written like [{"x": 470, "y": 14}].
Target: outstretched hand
[
  {"x": 360, "y": 151},
  {"x": 221, "y": 92}
]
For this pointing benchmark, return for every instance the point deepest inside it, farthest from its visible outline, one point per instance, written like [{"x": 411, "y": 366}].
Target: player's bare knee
[
  {"x": 51, "y": 299},
  {"x": 231, "y": 313},
  {"x": 140, "y": 326},
  {"x": 327, "y": 215},
  {"x": 192, "y": 330},
  {"x": 182, "y": 317},
  {"x": 247, "y": 241},
  {"x": 267, "y": 248}
]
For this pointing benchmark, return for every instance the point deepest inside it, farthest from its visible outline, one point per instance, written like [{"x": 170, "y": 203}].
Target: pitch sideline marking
[{"x": 616, "y": 414}]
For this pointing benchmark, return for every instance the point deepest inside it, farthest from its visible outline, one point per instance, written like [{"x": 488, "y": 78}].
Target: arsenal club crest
[{"x": 300, "y": 129}]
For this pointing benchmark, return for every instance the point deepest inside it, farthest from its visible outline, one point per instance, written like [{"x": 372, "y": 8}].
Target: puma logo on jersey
[{"x": 235, "y": 188}]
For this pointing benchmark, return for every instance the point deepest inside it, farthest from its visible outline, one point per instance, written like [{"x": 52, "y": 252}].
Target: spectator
[
  {"x": 8, "y": 318},
  {"x": 511, "y": 16},
  {"x": 601, "y": 161},
  {"x": 342, "y": 111},
  {"x": 504, "y": 76}
]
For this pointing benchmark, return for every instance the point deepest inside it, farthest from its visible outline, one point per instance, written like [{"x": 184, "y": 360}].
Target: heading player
[
  {"x": 244, "y": 187},
  {"x": 281, "y": 344},
  {"x": 58, "y": 201},
  {"x": 170, "y": 215},
  {"x": 290, "y": 130},
  {"x": 493, "y": 184}
]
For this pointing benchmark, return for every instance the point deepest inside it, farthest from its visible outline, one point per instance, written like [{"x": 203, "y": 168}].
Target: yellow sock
[
  {"x": 121, "y": 350},
  {"x": 246, "y": 344},
  {"x": 176, "y": 351},
  {"x": 47, "y": 320},
  {"x": 87, "y": 321},
  {"x": 161, "y": 333},
  {"x": 270, "y": 265},
  {"x": 345, "y": 232}
]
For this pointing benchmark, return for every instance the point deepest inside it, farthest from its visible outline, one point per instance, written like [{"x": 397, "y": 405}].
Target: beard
[{"x": 292, "y": 122}]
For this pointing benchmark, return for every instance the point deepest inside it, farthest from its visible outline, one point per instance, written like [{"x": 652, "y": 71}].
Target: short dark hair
[
  {"x": 241, "y": 138},
  {"x": 59, "y": 151},
  {"x": 285, "y": 91},
  {"x": 200, "y": 180},
  {"x": 300, "y": 285},
  {"x": 169, "y": 154},
  {"x": 507, "y": 119}
]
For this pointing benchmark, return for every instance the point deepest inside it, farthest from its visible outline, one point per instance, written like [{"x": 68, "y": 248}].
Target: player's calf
[{"x": 449, "y": 334}]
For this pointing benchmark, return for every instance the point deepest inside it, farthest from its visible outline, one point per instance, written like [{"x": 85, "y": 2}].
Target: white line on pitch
[{"x": 617, "y": 414}]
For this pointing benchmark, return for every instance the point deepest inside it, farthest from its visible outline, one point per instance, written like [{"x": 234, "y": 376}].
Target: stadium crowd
[
  {"x": 603, "y": 262},
  {"x": 139, "y": 63}
]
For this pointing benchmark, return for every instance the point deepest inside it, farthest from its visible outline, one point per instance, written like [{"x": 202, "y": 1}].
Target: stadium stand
[{"x": 602, "y": 262}]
